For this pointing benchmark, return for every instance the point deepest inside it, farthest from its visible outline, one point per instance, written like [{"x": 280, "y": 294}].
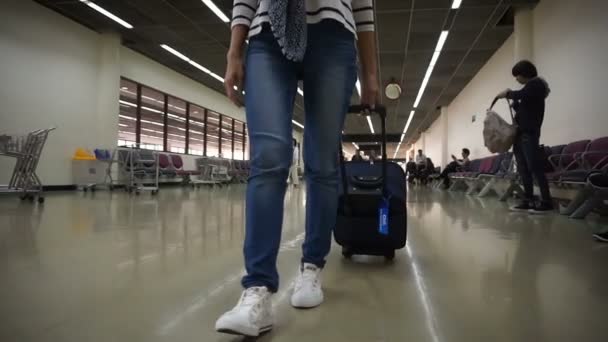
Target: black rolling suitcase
[{"x": 372, "y": 203}]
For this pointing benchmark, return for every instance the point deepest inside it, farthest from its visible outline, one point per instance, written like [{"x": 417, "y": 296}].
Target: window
[
  {"x": 127, "y": 114},
  {"x": 239, "y": 140},
  {"x": 176, "y": 125},
  {"x": 152, "y": 115},
  {"x": 196, "y": 144},
  {"x": 227, "y": 137},
  {"x": 157, "y": 121},
  {"x": 213, "y": 134}
]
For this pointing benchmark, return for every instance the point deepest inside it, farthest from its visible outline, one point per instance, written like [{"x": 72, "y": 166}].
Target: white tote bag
[{"x": 498, "y": 134}]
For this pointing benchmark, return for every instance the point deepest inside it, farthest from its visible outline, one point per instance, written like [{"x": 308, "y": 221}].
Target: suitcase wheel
[{"x": 347, "y": 253}]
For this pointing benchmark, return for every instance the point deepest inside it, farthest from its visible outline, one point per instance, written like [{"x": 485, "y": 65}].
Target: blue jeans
[
  {"x": 530, "y": 166},
  {"x": 329, "y": 73}
]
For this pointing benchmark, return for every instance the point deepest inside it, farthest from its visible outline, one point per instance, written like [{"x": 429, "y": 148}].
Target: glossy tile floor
[{"x": 109, "y": 267}]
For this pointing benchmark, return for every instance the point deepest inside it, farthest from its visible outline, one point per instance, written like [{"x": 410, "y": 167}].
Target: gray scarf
[{"x": 288, "y": 22}]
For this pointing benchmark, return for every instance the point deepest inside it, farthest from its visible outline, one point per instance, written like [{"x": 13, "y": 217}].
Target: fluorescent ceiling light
[
  {"x": 371, "y": 126},
  {"x": 396, "y": 151},
  {"x": 300, "y": 92},
  {"x": 456, "y": 4},
  {"x": 356, "y": 146},
  {"x": 358, "y": 86},
  {"x": 216, "y": 10},
  {"x": 217, "y": 77},
  {"x": 442, "y": 38},
  {"x": 297, "y": 123},
  {"x": 435, "y": 58},
  {"x": 409, "y": 121},
  {"x": 107, "y": 13},
  {"x": 199, "y": 67},
  {"x": 175, "y": 52}
]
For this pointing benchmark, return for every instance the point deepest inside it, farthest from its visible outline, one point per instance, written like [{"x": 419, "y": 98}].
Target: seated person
[
  {"x": 457, "y": 165},
  {"x": 357, "y": 156},
  {"x": 411, "y": 169},
  {"x": 426, "y": 171}
]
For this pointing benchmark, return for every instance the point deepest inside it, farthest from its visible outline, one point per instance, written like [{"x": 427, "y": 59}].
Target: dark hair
[
  {"x": 466, "y": 151},
  {"x": 419, "y": 150},
  {"x": 525, "y": 68}
]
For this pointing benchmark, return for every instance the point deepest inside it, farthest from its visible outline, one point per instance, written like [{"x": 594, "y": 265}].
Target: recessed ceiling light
[
  {"x": 107, "y": 13},
  {"x": 456, "y": 4}
]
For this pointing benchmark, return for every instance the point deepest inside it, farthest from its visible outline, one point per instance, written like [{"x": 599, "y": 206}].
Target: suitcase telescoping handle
[{"x": 379, "y": 110}]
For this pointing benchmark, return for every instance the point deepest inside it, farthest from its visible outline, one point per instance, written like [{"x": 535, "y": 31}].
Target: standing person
[
  {"x": 293, "y": 171},
  {"x": 420, "y": 158},
  {"x": 315, "y": 41},
  {"x": 529, "y": 105},
  {"x": 420, "y": 163}
]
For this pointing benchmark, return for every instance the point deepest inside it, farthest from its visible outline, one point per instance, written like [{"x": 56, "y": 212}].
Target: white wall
[
  {"x": 55, "y": 72},
  {"x": 48, "y": 70},
  {"x": 570, "y": 48},
  {"x": 432, "y": 142},
  {"x": 570, "y": 52}
]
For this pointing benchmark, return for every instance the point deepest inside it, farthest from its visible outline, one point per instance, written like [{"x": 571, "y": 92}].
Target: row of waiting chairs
[
  {"x": 580, "y": 165},
  {"x": 141, "y": 164}
]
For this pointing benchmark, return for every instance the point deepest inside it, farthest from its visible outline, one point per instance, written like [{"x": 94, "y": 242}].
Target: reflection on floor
[{"x": 110, "y": 267}]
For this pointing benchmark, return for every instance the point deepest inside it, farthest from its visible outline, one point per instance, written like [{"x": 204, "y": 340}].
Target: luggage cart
[
  {"x": 135, "y": 167},
  {"x": 206, "y": 169},
  {"x": 27, "y": 150},
  {"x": 142, "y": 164}
]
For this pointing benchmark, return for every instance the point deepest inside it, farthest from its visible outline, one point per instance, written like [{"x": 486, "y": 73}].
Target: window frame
[{"x": 165, "y": 148}]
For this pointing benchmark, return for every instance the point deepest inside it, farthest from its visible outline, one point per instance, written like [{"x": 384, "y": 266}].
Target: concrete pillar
[
  {"x": 444, "y": 137},
  {"x": 108, "y": 90},
  {"x": 523, "y": 34}
]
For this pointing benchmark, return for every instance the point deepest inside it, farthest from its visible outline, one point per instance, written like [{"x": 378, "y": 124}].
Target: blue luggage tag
[{"x": 383, "y": 217}]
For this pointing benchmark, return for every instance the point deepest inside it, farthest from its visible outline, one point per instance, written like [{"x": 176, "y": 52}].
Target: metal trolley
[
  {"x": 138, "y": 170},
  {"x": 27, "y": 150}
]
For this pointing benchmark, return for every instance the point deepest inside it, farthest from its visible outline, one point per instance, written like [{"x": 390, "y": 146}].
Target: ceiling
[{"x": 407, "y": 33}]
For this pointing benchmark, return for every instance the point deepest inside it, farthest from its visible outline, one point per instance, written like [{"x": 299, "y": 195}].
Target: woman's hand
[
  {"x": 235, "y": 69},
  {"x": 369, "y": 90},
  {"x": 369, "y": 76},
  {"x": 235, "y": 75}
]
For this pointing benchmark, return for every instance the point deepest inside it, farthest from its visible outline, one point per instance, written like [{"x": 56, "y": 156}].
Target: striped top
[{"x": 355, "y": 15}]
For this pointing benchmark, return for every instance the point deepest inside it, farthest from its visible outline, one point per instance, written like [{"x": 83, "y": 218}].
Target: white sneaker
[
  {"x": 251, "y": 316},
  {"x": 307, "y": 292}
]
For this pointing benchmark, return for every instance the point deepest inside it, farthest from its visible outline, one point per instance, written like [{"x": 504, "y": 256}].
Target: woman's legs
[
  {"x": 329, "y": 73},
  {"x": 531, "y": 151},
  {"x": 523, "y": 170},
  {"x": 270, "y": 86}
]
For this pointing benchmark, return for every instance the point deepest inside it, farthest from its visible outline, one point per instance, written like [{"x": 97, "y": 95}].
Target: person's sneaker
[
  {"x": 251, "y": 316},
  {"x": 307, "y": 292},
  {"x": 522, "y": 207},
  {"x": 542, "y": 209},
  {"x": 601, "y": 237}
]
